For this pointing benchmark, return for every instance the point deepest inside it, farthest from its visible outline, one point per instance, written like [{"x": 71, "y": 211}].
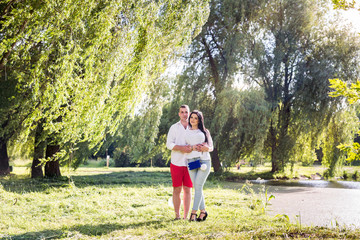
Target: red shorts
[{"x": 180, "y": 176}]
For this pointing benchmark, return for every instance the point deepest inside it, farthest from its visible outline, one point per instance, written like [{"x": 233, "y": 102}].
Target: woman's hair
[{"x": 201, "y": 125}]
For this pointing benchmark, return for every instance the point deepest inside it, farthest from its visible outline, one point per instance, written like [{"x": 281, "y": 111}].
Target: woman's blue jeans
[{"x": 198, "y": 178}]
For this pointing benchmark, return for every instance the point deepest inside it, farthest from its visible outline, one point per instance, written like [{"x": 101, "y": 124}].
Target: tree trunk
[
  {"x": 4, "y": 158},
  {"x": 36, "y": 169},
  {"x": 274, "y": 162},
  {"x": 39, "y": 149},
  {"x": 215, "y": 161},
  {"x": 52, "y": 168}
]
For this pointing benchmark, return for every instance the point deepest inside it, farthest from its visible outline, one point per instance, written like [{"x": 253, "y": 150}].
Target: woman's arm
[
  {"x": 206, "y": 146},
  {"x": 210, "y": 141}
]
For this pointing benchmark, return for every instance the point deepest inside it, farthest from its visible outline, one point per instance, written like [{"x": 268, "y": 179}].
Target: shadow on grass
[
  {"x": 238, "y": 177},
  {"x": 19, "y": 184},
  {"x": 89, "y": 230},
  {"x": 131, "y": 178}
]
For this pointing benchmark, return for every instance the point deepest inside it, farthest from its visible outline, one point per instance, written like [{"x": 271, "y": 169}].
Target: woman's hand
[{"x": 203, "y": 147}]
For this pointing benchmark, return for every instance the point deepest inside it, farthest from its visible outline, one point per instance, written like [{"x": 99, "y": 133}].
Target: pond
[
  {"x": 311, "y": 202},
  {"x": 309, "y": 183}
]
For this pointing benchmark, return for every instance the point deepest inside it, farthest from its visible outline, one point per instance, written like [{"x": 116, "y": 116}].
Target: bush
[
  {"x": 121, "y": 159},
  {"x": 355, "y": 176},
  {"x": 327, "y": 174},
  {"x": 159, "y": 161},
  {"x": 102, "y": 163}
]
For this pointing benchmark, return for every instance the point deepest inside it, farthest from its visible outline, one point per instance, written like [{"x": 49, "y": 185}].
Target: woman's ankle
[{"x": 193, "y": 216}]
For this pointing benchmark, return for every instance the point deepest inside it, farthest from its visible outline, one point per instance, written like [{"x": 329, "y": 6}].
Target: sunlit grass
[{"x": 132, "y": 203}]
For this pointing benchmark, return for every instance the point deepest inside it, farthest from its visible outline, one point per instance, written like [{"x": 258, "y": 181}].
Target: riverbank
[
  {"x": 315, "y": 172},
  {"x": 122, "y": 203}
]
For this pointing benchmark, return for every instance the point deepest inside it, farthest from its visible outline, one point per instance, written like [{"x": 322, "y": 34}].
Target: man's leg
[
  {"x": 187, "y": 185},
  {"x": 187, "y": 200},
  {"x": 177, "y": 201}
]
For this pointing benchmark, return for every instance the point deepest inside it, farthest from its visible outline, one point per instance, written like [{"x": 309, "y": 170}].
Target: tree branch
[
  {"x": 6, "y": 9},
  {"x": 7, "y": 54}
]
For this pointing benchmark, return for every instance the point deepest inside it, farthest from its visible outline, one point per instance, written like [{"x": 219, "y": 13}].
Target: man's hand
[
  {"x": 186, "y": 149},
  {"x": 182, "y": 148}
]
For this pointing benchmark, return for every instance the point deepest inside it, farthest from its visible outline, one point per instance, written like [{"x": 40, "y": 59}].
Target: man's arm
[
  {"x": 170, "y": 142},
  {"x": 185, "y": 148}
]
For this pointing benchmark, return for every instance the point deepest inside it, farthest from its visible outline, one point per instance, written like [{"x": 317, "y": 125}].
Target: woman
[{"x": 198, "y": 137}]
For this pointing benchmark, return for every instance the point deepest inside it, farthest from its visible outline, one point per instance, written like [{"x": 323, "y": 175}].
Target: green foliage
[
  {"x": 344, "y": 4},
  {"x": 291, "y": 56},
  {"x": 341, "y": 130},
  {"x": 355, "y": 176},
  {"x": 242, "y": 118},
  {"x": 303, "y": 151},
  {"x": 211, "y": 64},
  {"x": 121, "y": 158},
  {"x": 283, "y": 48},
  {"x": 341, "y": 88},
  {"x": 351, "y": 93},
  {"x": 82, "y": 67}
]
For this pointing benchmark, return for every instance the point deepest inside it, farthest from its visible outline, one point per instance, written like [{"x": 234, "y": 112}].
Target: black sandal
[
  {"x": 191, "y": 219},
  {"x": 204, "y": 217}
]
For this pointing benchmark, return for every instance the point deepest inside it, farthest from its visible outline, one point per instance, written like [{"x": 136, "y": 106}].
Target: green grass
[{"x": 131, "y": 203}]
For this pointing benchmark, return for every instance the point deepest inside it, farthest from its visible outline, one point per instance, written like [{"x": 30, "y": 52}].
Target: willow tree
[
  {"x": 292, "y": 56},
  {"x": 243, "y": 119},
  {"x": 211, "y": 63},
  {"x": 287, "y": 48},
  {"x": 84, "y": 66},
  {"x": 340, "y": 131},
  {"x": 348, "y": 89}
]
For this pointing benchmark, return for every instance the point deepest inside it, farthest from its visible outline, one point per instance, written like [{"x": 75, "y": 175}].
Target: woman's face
[{"x": 194, "y": 120}]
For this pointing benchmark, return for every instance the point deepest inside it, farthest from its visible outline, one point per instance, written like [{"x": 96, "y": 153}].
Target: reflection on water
[{"x": 309, "y": 183}]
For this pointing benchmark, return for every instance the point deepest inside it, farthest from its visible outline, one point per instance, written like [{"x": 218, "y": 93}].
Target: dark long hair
[{"x": 201, "y": 125}]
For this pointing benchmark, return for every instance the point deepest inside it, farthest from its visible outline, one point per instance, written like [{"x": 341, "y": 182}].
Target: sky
[{"x": 353, "y": 16}]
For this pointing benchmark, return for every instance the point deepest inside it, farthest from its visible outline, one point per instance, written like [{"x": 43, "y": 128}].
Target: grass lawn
[{"x": 132, "y": 203}]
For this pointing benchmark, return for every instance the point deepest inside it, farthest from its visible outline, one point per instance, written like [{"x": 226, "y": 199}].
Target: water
[
  {"x": 314, "y": 202},
  {"x": 309, "y": 183}
]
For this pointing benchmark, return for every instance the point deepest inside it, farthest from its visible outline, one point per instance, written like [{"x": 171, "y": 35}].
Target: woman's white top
[{"x": 193, "y": 137}]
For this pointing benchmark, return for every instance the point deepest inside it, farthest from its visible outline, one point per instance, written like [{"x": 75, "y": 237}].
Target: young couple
[{"x": 190, "y": 143}]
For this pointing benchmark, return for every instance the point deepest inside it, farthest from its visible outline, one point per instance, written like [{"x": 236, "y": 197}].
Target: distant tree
[
  {"x": 341, "y": 130},
  {"x": 287, "y": 48},
  {"x": 243, "y": 118},
  {"x": 292, "y": 56},
  {"x": 136, "y": 137},
  {"x": 78, "y": 68},
  {"x": 212, "y": 63},
  {"x": 344, "y": 88}
]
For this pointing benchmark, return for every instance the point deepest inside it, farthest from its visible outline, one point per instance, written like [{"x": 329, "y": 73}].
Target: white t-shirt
[
  {"x": 193, "y": 137},
  {"x": 176, "y": 136}
]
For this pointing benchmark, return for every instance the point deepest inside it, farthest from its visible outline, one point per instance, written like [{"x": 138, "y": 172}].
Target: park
[{"x": 89, "y": 91}]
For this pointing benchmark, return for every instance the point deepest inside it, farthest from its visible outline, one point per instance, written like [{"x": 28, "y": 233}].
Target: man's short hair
[{"x": 185, "y": 106}]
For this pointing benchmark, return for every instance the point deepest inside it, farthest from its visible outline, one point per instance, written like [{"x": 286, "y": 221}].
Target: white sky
[{"x": 353, "y": 16}]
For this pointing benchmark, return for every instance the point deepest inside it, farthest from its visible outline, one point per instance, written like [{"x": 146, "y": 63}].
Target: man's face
[{"x": 183, "y": 114}]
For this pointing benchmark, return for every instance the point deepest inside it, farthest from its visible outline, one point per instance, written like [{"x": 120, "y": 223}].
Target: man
[{"x": 178, "y": 167}]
